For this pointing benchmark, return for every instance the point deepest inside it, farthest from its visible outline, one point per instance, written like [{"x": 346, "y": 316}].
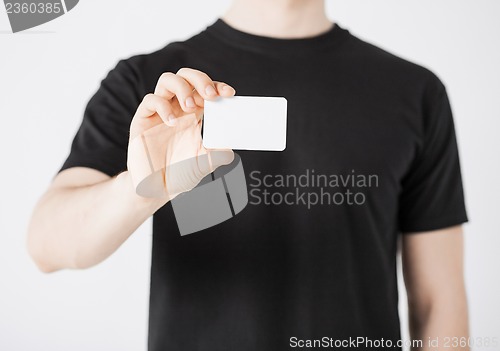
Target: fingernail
[
  {"x": 210, "y": 91},
  {"x": 228, "y": 88},
  {"x": 171, "y": 118},
  {"x": 190, "y": 102}
]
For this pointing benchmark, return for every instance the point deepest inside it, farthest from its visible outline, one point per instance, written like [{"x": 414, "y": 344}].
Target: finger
[
  {"x": 153, "y": 104},
  {"x": 171, "y": 85},
  {"x": 200, "y": 81},
  {"x": 225, "y": 90},
  {"x": 198, "y": 99}
]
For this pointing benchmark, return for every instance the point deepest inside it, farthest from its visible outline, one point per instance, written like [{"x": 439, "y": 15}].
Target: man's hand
[{"x": 165, "y": 155}]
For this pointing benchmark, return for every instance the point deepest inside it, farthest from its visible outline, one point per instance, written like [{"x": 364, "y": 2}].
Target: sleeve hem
[
  {"x": 442, "y": 222},
  {"x": 110, "y": 162}
]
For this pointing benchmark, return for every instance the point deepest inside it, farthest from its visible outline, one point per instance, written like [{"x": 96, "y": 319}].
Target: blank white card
[{"x": 245, "y": 123}]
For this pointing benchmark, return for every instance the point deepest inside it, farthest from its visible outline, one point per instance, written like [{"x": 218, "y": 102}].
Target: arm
[
  {"x": 433, "y": 274},
  {"x": 86, "y": 215}
]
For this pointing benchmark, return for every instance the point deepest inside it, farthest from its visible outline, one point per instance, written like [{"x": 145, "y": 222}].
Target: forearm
[
  {"x": 441, "y": 325},
  {"x": 78, "y": 227}
]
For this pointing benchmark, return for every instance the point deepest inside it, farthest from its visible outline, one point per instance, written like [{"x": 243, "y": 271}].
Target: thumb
[
  {"x": 213, "y": 159},
  {"x": 184, "y": 175},
  {"x": 220, "y": 157}
]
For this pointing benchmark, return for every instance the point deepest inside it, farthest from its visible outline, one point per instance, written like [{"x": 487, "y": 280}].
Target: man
[{"x": 282, "y": 275}]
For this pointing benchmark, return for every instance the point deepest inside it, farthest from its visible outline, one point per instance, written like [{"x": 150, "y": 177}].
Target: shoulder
[
  {"x": 387, "y": 67},
  {"x": 144, "y": 69}
]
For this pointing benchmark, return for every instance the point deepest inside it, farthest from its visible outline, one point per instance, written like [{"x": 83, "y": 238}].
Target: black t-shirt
[{"x": 371, "y": 153}]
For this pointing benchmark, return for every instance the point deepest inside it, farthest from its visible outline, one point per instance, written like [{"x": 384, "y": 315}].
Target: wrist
[{"x": 140, "y": 203}]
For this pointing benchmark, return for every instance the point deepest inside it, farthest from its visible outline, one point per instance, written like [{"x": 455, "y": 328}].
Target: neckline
[{"x": 279, "y": 46}]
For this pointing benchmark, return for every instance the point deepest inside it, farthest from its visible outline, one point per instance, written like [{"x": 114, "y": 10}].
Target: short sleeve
[
  {"x": 102, "y": 139},
  {"x": 432, "y": 195}
]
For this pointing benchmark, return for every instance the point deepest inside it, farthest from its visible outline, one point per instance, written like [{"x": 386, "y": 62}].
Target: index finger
[{"x": 203, "y": 84}]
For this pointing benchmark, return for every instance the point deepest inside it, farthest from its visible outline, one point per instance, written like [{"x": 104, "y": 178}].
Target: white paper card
[{"x": 245, "y": 123}]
